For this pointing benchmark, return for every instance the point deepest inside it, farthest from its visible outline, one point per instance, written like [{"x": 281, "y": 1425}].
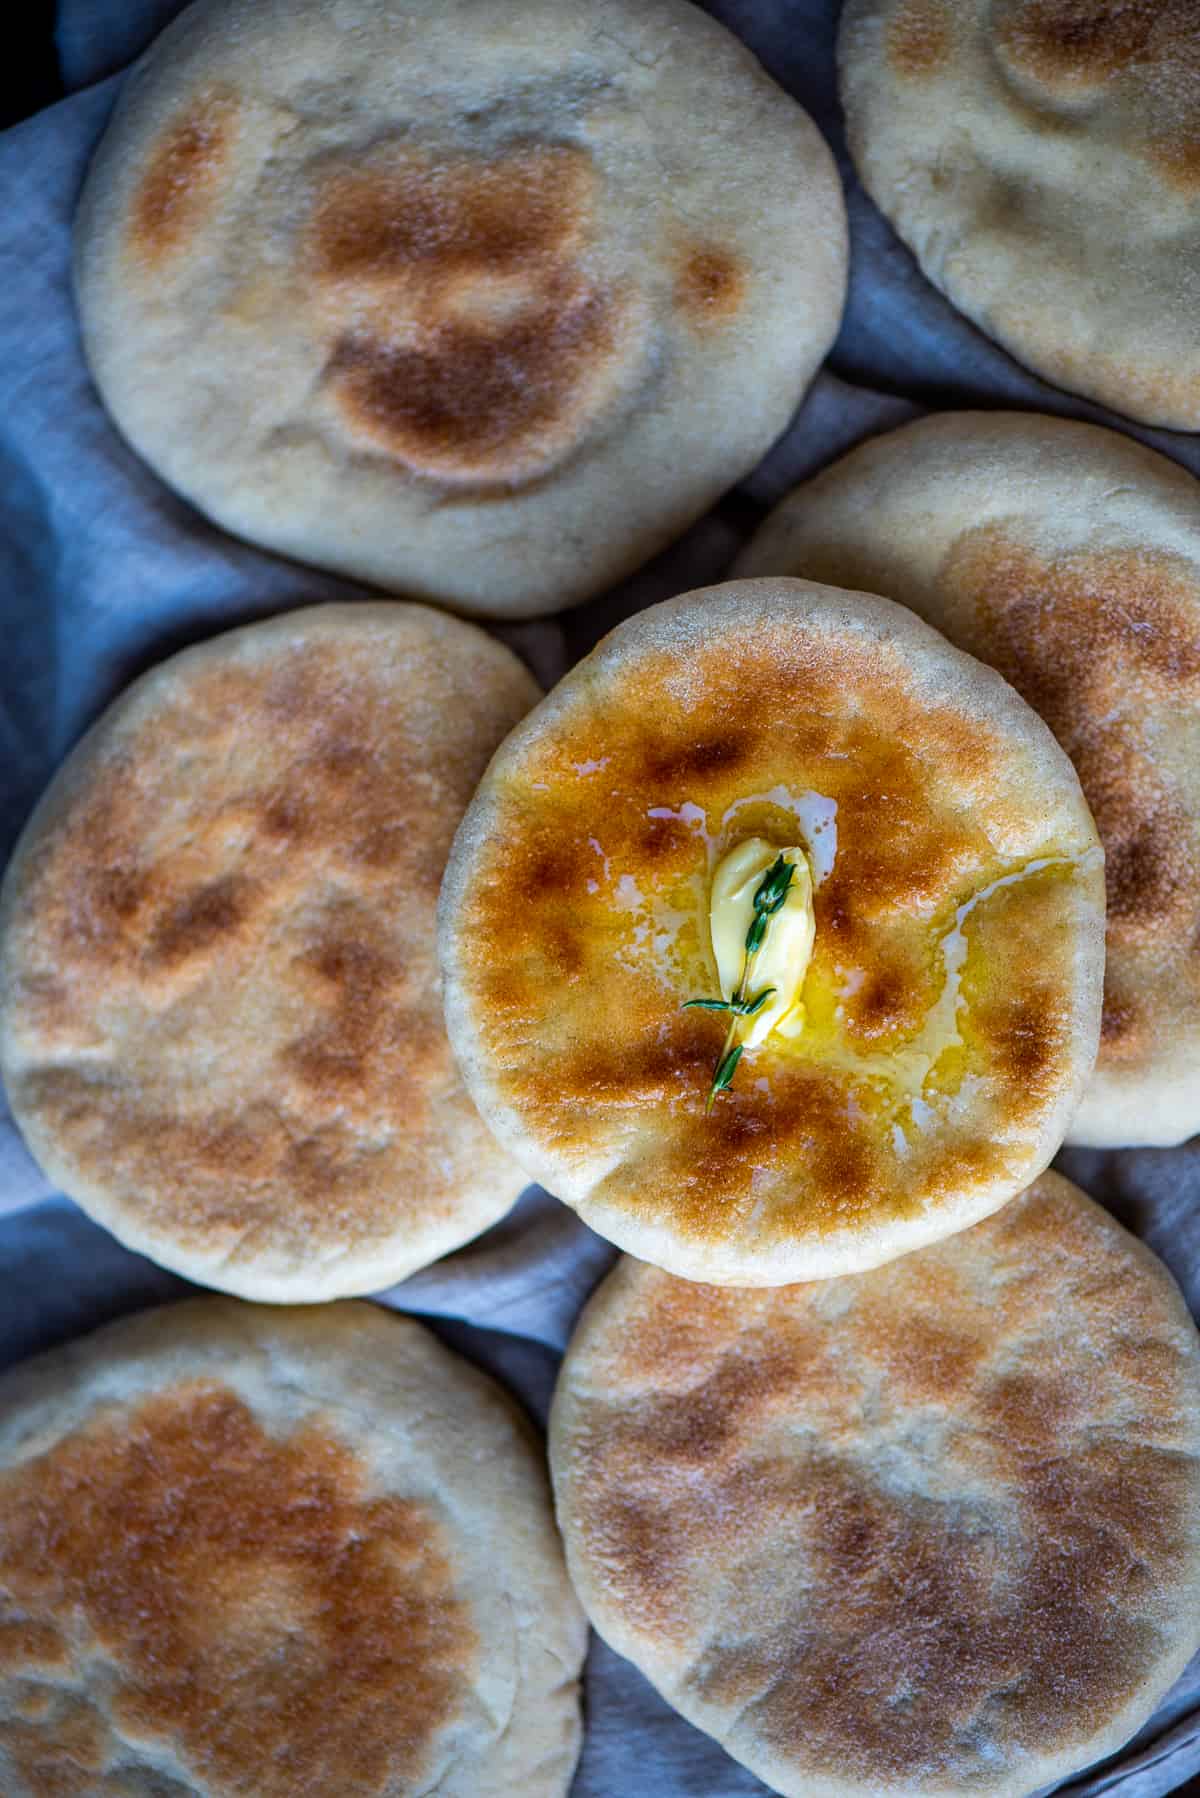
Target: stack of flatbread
[{"x": 786, "y": 939}]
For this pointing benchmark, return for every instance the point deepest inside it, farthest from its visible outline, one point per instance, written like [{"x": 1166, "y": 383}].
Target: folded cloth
[{"x": 106, "y": 571}]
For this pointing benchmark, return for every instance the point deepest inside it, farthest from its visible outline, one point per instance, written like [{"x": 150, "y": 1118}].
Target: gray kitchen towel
[{"x": 104, "y": 571}]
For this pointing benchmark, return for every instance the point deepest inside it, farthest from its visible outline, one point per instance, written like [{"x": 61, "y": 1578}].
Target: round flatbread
[
  {"x": 248, "y": 1551},
  {"x": 931, "y": 1530},
  {"x": 220, "y": 1014},
  {"x": 1041, "y": 158},
  {"x": 483, "y": 304},
  {"x": 952, "y": 1002},
  {"x": 1069, "y": 558}
]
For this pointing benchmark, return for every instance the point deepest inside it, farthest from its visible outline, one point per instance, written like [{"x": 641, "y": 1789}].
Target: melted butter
[
  {"x": 786, "y": 951},
  {"x": 906, "y": 1085},
  {"x": 815, "y": 815},
  {"x": 778, "y": 814},
  {"x": 935, "y": 1061}
]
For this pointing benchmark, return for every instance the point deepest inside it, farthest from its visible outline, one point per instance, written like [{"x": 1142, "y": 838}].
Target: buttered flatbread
[
  {"x": 935, "y": 1006},
  {"x": 248, "y": 1551},
  {"x": 1069, "y": 558},
  {"x": 933, "y": 1529},
  {"x": 480, "y": 303},
  {"x": 220, "y": 1019}
]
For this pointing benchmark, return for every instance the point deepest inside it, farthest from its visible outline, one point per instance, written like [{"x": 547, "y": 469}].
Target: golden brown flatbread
[
  {"x": 248, "y": 1552},
  {"x": 480, "y": 303},
  {"x": 952, "y": 1002},
  {"x": 220, "y": 1017},
  {"x": 928, "y": 1530}
]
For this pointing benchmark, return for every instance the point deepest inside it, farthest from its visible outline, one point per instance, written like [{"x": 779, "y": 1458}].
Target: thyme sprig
[
  {"x": 745, "y": 1008},
  {"x": 769, "y": 898}
]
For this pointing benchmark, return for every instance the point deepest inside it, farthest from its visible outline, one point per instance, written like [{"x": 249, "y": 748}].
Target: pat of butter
[{"x": 783, "y": 959}]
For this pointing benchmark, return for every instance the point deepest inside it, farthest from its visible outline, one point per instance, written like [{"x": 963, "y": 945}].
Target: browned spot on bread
[
  {"x": 1148, "y": 870},
  {"x": 881, "y": 1006},
  {"x": 1123, "y": 1023},
  {"x": 1178, "y": 155},
  {"x": 181, "y": 185},
  {"x": 1073, "y": 44},
  {"x": 1172, "y": 104},
  {"x": 1028, "y": 1039},
  {"x": 676, "y": 1335},
  {"x": 927, "y": 1361},
  {"x": 944, "y": 1505},
  {"x": 740, "y": 1396},
  {"x": 1022, "y": 1020},
  {"x": 196, "y": 923},
  {"x": 466, "y": 339},
  {"x": 920, "y": 38},
  {"x": 464, "y": 401},
  {"x": 202, "y": 1556},
  {"x": 664, "y": 842},
  {"x": 640, "y": 1542},
  {"x": 358, "y": 1042},
  {"x": 119, "y": 891},
  {"x": 710, "y": 287},
  {"x": 29, "y": 1646},
  {"x": 1029, "y": 1409},
  {"x": 709, "y": 754},
  {"x": 456, "y": 216}
]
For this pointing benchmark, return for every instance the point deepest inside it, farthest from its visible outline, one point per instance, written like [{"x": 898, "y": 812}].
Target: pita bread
[
  {"x": 1041, "y": 158},
  {"x": 220, "y": 1018},
  {"x": 953, "y": 996},
  {"x": 930, "y": 1530},
  {"x": 249, "y": 1552},
  {"x": 1069, "y": 558},
  {"x": 481, "y": 304}
]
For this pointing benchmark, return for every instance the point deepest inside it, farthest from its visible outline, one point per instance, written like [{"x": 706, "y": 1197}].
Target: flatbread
[
  {"x": 481, "y": 304},
  {"x": 953, "y": 997},
  {"x": 1069, "y": 558},
  {"x": 249, "y": 1552},
  {"x": 1041, "y": 158},
  {"x": 930, "y": 1530},
  {"x": 220, "y": 1018}
]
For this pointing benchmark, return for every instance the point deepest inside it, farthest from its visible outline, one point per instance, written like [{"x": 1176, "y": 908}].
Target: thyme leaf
[
  {"x": 748, "y": 1008},
  {"x": 726, "y": 1069},
  {"x": 743, "y": 1008}
]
